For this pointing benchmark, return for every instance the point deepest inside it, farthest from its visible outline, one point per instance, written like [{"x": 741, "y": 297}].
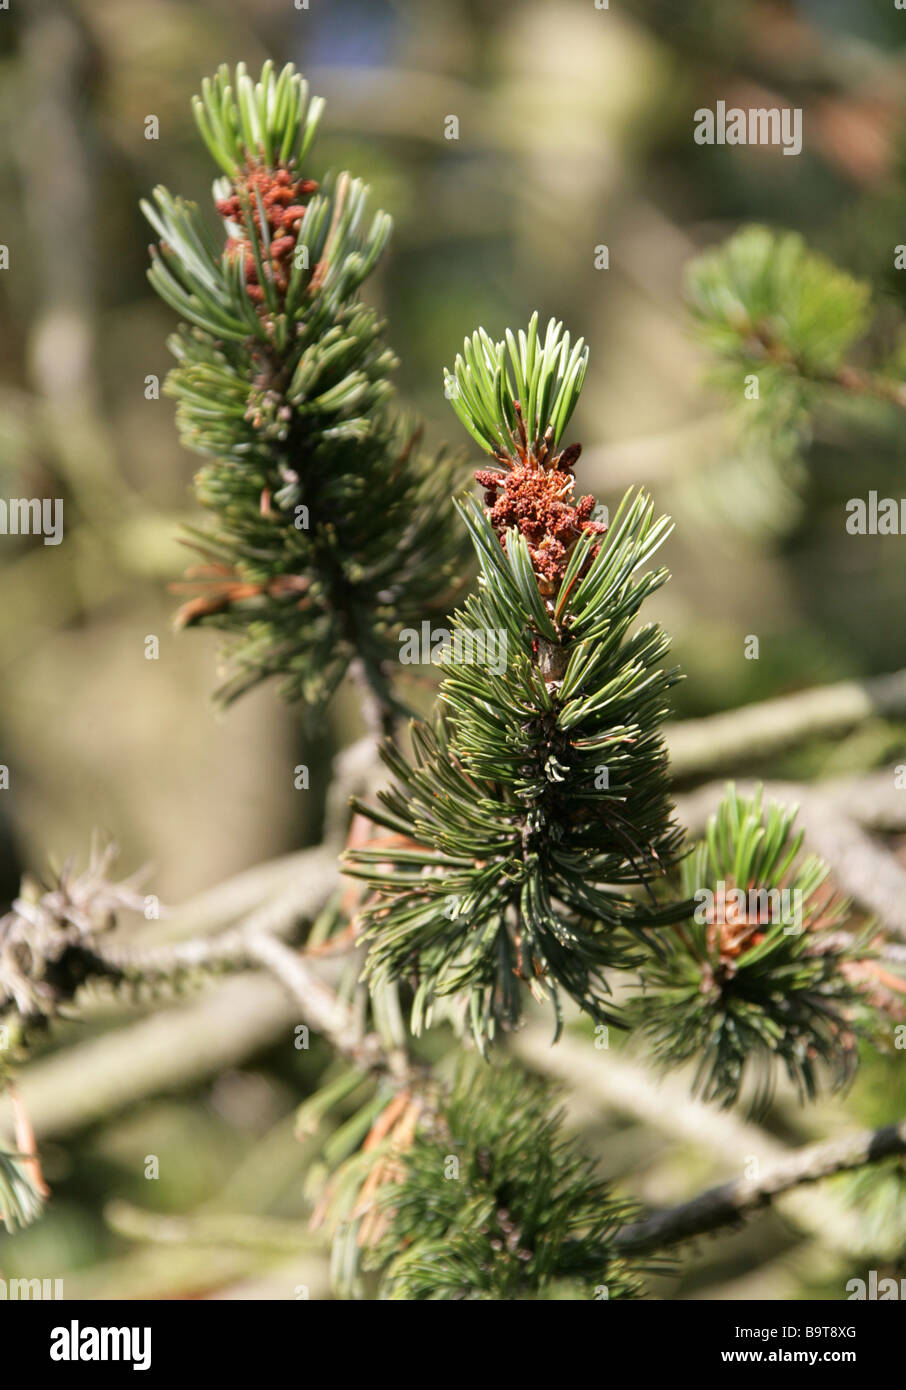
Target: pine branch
[
  {"x": 615, "y": 1081},
  {"x": 276, "y": 895},
  {"x": 859, "y": 382},
  {"x": 320, "y": 1006},
  {"x": 233, "y": 1229},
  {"x": 780, "y": 323},
  {"x": 537, "y": 805},
  {"x": 764, "y": 299},
  {"x": 252, "y": 945},
  {"x": 731, "y": 1202},
  {"x": 90, "y": 1080},
  {"x": 257, "y": 943},
  {"x": 174, "y": 1048},
  {"x": 50, "y": 937},
  {"x": 329, "y": 527}
]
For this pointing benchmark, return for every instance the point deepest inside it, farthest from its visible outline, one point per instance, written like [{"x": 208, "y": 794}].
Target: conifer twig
[
  {"x": 732, "y": 1201},
  {"x": 625, "y": 1085},
  {"x": 172, "y": 1049},
  {"x": 258, "y": 942},
  {"x": 322, "y": 1008},
  {"x": 323, "y": 537},
  {"x": 862, "y": 383}
]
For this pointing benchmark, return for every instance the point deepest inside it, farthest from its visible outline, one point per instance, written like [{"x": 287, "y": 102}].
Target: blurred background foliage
[{"x": 575, "y": 131}]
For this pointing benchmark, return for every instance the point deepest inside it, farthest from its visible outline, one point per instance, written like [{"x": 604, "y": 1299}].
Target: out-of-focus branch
[
  {"x": 616, "y": 1082},
  {"x": 320, "y": 1006},
  {"x": 234, "y": 925},
  {"x": 870, "y": 800},
  {"x": 378, "y": 713},
  {"x": 175, "y": 1048},
  {"x": 180, "y": 1046},
  {"x": 703, "y": 747},
  {"x": 272, "y": 897},
  {"x": 732, "y": 1201},
  {"x": 152, "y": 1270},
  {"x": 257, "y": 942},
  {"x": 211, "y": 1228},
  {"x": 861, "y": 383},
  {"x": 357, "y": 771}
]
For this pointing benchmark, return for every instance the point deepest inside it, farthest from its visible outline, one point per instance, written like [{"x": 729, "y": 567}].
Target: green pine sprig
[
  {"x": 778, "y": 322},
  {"x": 327, "y": 529},
  {"x": 765, "y": 299},
  {"x": 494, "y": 1201},
  {"x": 493, "y": 384},
  {"x": 536, "y": 807},
  {"x": 753, "y": 980}
]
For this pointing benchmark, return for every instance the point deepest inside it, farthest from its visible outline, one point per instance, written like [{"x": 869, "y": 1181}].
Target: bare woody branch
[
  {"x": 704, "y": 747},
  {"x": 730, "y": 1203}
]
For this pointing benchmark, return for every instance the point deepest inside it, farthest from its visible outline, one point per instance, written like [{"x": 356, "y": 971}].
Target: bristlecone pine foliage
[
  {"x": 329, "y": 529},
  {"x": 537, "y": 806},
  {"x": 779, "y": 322},
  {"x": 765, "y": 302},
  {"x": 767, "y": 970},
  {"x": 533, "y": 842},
  {"x": 494, "y": 1202}
]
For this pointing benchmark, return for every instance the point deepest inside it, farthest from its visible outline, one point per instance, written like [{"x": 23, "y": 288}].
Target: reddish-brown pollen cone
[
  {"x": 731, "y": 930},
  {"x": 281, "y": 195},
  {"x": 536, "y": 497}
]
